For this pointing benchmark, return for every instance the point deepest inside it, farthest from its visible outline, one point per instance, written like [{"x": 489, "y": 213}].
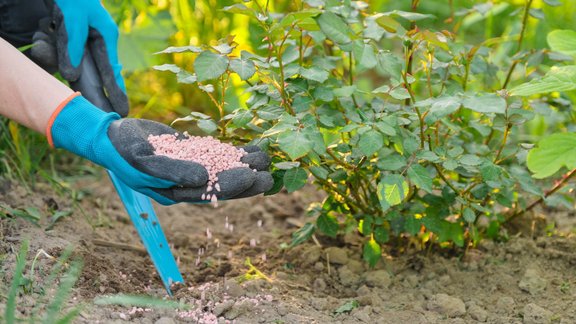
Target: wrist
[{"x": 78, "y": 126}]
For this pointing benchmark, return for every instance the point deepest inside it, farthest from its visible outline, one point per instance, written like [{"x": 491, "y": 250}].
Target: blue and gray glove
[
  {"x": 74, "y": 27},
  {"x": 121, "y": 145}
]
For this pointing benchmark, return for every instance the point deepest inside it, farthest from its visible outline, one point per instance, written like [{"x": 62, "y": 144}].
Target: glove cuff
[{"x": 76, "y": 126}]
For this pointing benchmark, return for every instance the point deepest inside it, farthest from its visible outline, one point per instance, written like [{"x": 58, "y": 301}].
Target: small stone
[
  {"x": 336, "y": 255},
  {"x": 534, "y": 314},
  {"x": 365, "y": 300},
  {"x": 363, "y": 314},
  {"x": 347, "y": 277},
  {"x": 532, "y": 282},
  {"x": 505, "y": 305},
  {"x": 165, "y": 320},
  {"x": 319, "y": 285},
  {"x": 234, "y": 289},
  {"x": 378, "y": 278},
  {"x": 319, "y": 266},
  {"x": 223, "y": 307},
  {"x": 363, "y": 290},
  {"x": 478, "y": 313},
  {"x": 311, "y": 255},
  {"x": 319, "y": 304},
  {"x": 447, "y": 305},
  {"x": 355, "y": 266},
  {"x": 239, "y": 308}
]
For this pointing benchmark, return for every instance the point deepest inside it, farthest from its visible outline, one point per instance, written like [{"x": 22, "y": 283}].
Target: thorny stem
[
  {"x": 520, "y": 40},
  {"x": 504, "y": 140},
  {"x": 547, "y": 194},
  {"x": 443, "y": 177},
  {"x": 339, "y": 161},
  {"x": 285, "y": 99},
  {"x": 351, "y": 76}
]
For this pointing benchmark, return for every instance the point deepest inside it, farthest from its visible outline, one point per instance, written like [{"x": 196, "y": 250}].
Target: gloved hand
[
  {"x": 121, "y": 146},
  {"x": 76, "y": 26}
]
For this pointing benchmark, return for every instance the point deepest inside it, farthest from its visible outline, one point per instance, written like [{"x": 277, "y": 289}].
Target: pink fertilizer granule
[{"x": 214, "y": 155}]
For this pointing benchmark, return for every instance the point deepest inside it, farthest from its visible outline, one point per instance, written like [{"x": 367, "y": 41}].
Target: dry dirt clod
[
  {"x": 532, "y": 282},
  {"x": 239, "y": 308},
  {"x": 165, "y": 320},
  {"x": 534, "y": 314},
  {"x": 347, "y": 277},
  {"x": 447, "y": 305},
  {"x": 221, "y": 308},
  {"x": 505, "y": 305},
  {"x": 378, "y": 278},
  {"x": 478, "y": 313},
  {"x": 234, "y": 289},
  {"x": 319, "y": 285},
  {"x": 336, "y": 255}
]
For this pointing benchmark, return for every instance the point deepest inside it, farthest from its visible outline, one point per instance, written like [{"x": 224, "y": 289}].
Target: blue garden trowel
[{"x": 138, "y": 206}]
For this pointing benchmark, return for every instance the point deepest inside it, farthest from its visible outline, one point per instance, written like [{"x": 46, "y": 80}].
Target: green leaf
[
  {"x": 315, "y": 74},
  {"x": 167, "y": 67},
  {"x": 487, "y": 103},
  {"x": 408, "y": 15},
  {"x": 209, "y": 65},
  {"x": 400, "y": 93},
  {"x": 295, "y": 179},
  {"x": 345, "y": 91},
  {"x": 185, "y": 77},
  {"x": 489, "y": 171},
  {"x": 56, "y": 216},
  {"x": 372, "y": 252},
  {"x": 327, "y": 224},
  {"x": 295, "y": 144},
  {"x": 370, "y": 142},
  {"x": 278, "y": 177},
  {"x": 470, "y": 159},
  {"x": 420, "y": 177},
  {"x": 334, "y": 27},
  {"x": 392, "y": 190},
  {"x": 244, "y": 68},
  {"x": 381, "y": 234},
  {"x": 552, "y": 153},
  {"x": 563, "y": 41},
  {"x": 553, "y": 3},
  {"x": 391, "y": 162},
  {"x": 180, "y": 49},
  {"x": 364, "y": 55},
  {"x": 208, "y": 126},
  {"x": 302, "y": 234},
  {"x": 469, "y": 215},
  {"x": 347, "y": 307},
  {"x": 561, "y": 78}
]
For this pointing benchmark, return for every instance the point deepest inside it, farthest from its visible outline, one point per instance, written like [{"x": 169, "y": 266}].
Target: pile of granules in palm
[{"x": 212, "y": 154}]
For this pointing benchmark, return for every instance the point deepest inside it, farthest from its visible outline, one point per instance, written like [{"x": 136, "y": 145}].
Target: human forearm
[{"x": 28, "y": 94}]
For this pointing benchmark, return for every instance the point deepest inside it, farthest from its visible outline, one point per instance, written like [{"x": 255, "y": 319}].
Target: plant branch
[
  {"x": 559, "y": 185},
  {"x": 520, "y": 40},
  {"x": 443, "y": 177}
]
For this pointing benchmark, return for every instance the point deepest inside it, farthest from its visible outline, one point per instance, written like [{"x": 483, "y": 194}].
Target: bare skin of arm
[{"x": 28, "y": 94}]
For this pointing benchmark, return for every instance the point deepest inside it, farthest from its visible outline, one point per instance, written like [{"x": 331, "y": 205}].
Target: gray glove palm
[{"x": 130, "y": 138}]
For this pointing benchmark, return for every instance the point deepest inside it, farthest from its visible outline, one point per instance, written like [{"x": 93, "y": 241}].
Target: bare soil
[{"x": 530, "y": 279}]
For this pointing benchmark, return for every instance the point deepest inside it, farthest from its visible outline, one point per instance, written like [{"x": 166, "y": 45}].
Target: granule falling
[{"x": 212, "y": 154}]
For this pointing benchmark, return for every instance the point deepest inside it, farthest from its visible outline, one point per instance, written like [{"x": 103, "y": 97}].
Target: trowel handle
[{"x": 90, "y": 84}]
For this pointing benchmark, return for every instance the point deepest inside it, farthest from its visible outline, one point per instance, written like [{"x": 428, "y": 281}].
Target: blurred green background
[{"x": 150, "y": 26}]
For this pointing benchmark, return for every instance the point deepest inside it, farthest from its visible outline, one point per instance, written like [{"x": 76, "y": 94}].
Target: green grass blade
[
  {"x": 70, "y": 316},
  {"x": 139, "y": 301},
  {"x": 9, "y": 314},
  {"x": 63, "y": 293},
  {"x": 50, "y": 281}
]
